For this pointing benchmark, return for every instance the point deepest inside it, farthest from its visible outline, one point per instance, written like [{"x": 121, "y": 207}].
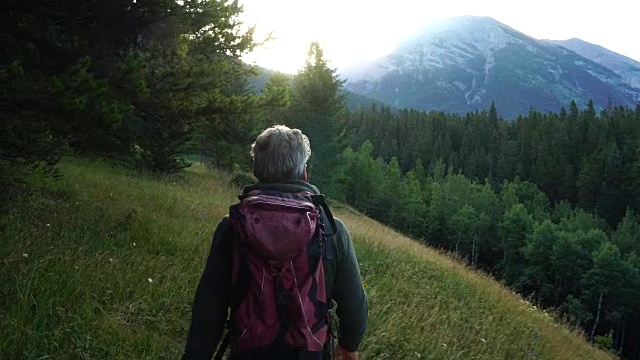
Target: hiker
[{"x": 277, "y": 263}]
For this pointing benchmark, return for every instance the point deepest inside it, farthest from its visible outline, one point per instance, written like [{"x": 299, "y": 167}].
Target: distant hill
[
  {"x": 258, "y": 82},
  {"x": 353, "y": 100},
  {"x": 462, "y": 64}
]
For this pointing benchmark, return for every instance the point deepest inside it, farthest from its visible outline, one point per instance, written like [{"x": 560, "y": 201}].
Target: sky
[{"x": 351, "y": 31}]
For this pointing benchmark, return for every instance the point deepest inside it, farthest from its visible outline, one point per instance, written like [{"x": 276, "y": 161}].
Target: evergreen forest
[{"x": 549, "y": 203}]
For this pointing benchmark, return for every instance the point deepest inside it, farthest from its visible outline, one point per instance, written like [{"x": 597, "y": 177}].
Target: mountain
[
  {"x": 356, "y": 101},
  {"x": 627, "y": 68},
  {"x": 461, "y": 64}
]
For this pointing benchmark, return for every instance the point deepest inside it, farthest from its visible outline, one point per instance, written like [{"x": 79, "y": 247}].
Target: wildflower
[
  {"x": 48, "y": 224},
  {"x": 150, "y": 280},
  {"x": 483, "y": 340},
  {"x": 418, "y": 354},
  {"x": 134, "y": 244},
  {"x": 25, "y": 255}
]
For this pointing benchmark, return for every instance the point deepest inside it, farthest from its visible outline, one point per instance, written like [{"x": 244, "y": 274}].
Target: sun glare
[
  {"x": 284, "y": 56},
  {"x": 343, "y": 28},
  {"x": 351, "y": 31}
]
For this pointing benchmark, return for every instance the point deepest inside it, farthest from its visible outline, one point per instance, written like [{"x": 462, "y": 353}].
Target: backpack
[{"x": 278, "y": 282}]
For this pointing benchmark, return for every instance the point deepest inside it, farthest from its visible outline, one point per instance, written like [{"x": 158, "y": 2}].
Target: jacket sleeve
[
  {"x": 348, "y": 293},
  {"x": 211, "y": 302}
]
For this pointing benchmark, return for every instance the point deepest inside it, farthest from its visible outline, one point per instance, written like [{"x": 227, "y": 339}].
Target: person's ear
[{"x": 305, "y": 176}]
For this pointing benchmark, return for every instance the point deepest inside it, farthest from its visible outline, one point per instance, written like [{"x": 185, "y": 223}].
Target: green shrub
[{"x": 242, "y": 178}]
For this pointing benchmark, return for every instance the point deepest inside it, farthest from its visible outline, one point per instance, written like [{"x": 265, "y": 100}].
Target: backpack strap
[
  {"x": 224, "y": 344},
  {"x": 222, "y": 240},
  {"x": 319, "y": 201},
  {"x": 325, "y": 218},
  {"x": 327, "y": 251}
]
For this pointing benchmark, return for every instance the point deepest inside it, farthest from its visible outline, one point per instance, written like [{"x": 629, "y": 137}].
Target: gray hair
[{"x": 280, "y": 154}]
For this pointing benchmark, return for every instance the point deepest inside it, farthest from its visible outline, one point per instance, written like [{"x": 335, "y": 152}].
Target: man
[{"x": 280, "y": 155}]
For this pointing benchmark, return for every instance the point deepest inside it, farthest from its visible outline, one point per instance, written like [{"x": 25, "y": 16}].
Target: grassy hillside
[{"x": 104, "y": 264}]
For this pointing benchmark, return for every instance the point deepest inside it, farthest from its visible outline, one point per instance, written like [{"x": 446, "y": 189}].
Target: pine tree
[
  {"x": 127, "y": 80},
  {"x": 513, "y": 230},
  {"x": 318, "y": 109},
  {"x": 627, "y": 234},
  {"x": 365, "y": 179}
]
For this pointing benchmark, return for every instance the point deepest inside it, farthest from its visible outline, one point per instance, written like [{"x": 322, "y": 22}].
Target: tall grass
[
  {"x": 104, "y": 263},
  {"x": 424, "y": 304}
]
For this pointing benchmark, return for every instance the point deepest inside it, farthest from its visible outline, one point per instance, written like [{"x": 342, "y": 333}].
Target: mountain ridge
[
  {"x": 626, "y": 67},
  {"x": 462, "y": 64}
]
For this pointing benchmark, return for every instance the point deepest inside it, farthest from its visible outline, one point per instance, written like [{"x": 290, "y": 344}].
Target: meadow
[{"x": 103, "y": 264}]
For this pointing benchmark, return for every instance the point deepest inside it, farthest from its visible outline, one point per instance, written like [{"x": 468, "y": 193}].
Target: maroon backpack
[{"x": 278, "y": 280}]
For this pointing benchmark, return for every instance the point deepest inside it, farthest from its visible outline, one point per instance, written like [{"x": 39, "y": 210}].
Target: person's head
[{"x": 280, "y": 154}]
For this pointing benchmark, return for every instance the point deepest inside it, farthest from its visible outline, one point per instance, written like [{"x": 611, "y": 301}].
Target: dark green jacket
[{"x": 211, "y": 302}]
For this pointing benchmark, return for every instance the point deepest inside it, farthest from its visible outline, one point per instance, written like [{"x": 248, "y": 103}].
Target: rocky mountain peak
[{"x": 462, "y": 64}]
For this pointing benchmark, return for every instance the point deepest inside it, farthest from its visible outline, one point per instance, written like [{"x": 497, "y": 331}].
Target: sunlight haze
[{"x": 351, "y": 31}]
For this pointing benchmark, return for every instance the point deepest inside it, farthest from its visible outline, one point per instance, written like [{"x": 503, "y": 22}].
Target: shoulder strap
[
  {"x": 327, "y": 218},
  {"x": 224, "y": 344},
  {"x": 221, "y": 240},
  {"x": 222, "y": 232}
]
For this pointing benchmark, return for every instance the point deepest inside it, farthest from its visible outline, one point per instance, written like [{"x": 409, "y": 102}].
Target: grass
[{"x": 103, "y": 264}]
